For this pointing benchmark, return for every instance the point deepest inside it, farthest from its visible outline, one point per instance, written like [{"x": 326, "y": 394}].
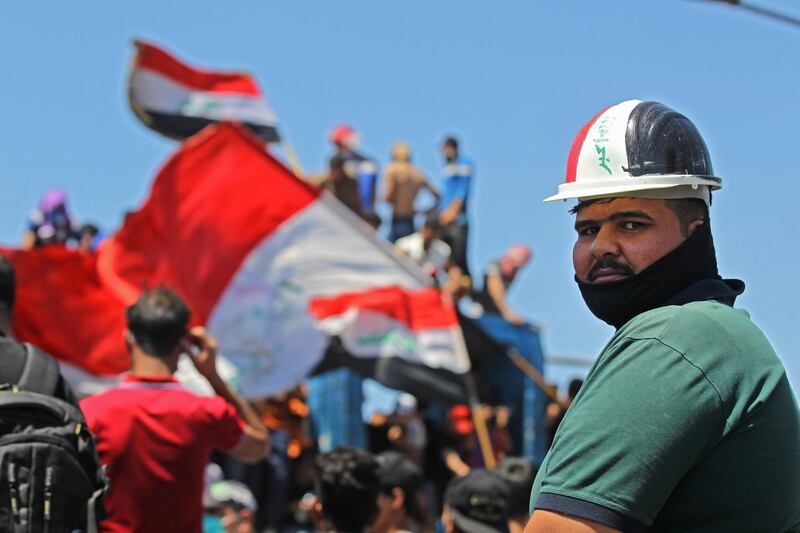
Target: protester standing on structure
[
  {"x": 90, "y": 238},
  {"x": 154, "y": 436},
  {"x": 341, "y": 185},
  {"x": 51, "y": 222},
  {"x": 358, "y": 166},
  {"x": 497, "y": 278},
  {"x": 687, "y": 421},
  {"x": 457, "y": 177},
  {"x": 403, "y": 182},
  {"x": 430, "y": 253}
]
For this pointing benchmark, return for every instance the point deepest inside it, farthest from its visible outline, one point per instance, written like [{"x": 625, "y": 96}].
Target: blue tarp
[
  {"x": 334, "y": 401},
  {"x": 505, "y": 384}
]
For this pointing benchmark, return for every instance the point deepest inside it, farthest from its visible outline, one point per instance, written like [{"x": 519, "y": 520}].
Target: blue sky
[{"x": 515, "y": 81}]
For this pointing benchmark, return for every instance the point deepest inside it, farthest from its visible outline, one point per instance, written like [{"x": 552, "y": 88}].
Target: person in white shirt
[{"x": 430, "y": 253}]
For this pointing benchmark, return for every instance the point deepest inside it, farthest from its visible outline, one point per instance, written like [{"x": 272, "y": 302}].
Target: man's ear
[
  {"x": 317, "y": 516},
  {"x": 398, "y": 498},
  {"x": 130, "y": 340},
  {"x": 694, "y": 224},
  {"x": 447, "y": 520},
  {"x": 246, "y": 515}
]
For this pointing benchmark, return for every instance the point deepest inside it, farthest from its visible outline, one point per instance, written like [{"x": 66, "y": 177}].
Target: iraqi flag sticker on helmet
[{"x": 638, "y": 149}]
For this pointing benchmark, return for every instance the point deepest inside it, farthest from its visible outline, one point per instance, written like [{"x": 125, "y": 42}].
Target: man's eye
[
  {"x": 630, "y": 225},
  {"x": 587, "y": 232}
]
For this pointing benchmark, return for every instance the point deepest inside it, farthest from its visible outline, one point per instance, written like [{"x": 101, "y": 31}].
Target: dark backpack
[{"x": 50, "y": 477}]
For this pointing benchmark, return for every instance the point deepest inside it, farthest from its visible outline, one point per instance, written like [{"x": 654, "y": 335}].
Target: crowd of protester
[
  {"x": 176, "y": 461},
  {"x": 157, "y": 442}
]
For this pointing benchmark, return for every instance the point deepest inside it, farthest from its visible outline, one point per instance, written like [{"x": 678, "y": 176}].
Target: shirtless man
[{"x": 403, "y": 183}]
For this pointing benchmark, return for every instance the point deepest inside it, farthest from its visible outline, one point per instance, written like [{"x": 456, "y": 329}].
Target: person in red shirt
[{"x": 153, "y": 435}]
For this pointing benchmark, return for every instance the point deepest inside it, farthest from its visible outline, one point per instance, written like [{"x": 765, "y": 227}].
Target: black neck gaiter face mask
[{"x": 619, "y": 301}]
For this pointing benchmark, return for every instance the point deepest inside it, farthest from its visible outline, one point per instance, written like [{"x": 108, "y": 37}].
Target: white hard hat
[{"x": 638, "y": 149}]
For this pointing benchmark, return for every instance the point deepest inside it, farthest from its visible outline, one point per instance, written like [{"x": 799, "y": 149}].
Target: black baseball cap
[
  {"x": 479, "y": 502},
  {"x": 520, "y": 474}
]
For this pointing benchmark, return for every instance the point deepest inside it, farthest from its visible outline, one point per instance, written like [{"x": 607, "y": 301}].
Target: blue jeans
[
  {"x": 455, "y": 235},
  {"x": 401, "y": 227}
]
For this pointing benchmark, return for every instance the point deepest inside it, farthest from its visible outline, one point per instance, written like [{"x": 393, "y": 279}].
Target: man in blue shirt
[{"x": 456, "y": 176}]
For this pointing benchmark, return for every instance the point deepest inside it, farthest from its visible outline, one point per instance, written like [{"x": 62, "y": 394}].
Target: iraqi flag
[
  {"x": 178, "y": 101},
  {"x": 272, "y": 265}
]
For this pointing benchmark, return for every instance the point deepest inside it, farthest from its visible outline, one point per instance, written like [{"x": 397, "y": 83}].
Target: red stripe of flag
[
  {"x": 419, "y": 309},
  {"x": 156, "y": 59},
  {"x": 577, "y": 144}
]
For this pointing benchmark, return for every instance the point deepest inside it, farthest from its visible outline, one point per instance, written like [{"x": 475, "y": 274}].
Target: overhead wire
[{"x": 766, "y": 12}]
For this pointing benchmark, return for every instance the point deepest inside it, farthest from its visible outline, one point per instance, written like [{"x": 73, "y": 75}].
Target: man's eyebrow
[
  {"x": 579, "y": 224},
  {"x": 630, "y": 214}
]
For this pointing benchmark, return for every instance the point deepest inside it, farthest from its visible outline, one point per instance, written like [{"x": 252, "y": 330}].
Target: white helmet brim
[{"x": 652, "y": 186}]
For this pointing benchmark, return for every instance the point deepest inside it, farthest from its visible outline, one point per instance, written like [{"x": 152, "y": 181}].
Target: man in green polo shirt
[{"x": 686, "y": 422}]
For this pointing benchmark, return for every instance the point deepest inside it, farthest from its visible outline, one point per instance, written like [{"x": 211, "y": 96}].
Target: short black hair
[
  {"x": 398, "y": 471},
  {"x": 451, "y": 141},
  {"x": 8, "y": 283},
  {"x": 688, "y": 210},
  {"x": 90, "y": 229},
  {"x": 432, "y": 221},
  {"x": 348, "y": 484},
  {"x": 158, "y": 321},
  {"x": 574, "y": 387}
]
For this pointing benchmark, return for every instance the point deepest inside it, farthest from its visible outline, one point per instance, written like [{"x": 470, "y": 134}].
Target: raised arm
[
  {"x": 254, "y": 444},
  {"x": 497, "y": 291}
]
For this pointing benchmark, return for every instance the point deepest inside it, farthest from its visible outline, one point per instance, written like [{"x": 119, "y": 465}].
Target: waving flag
[
  {"x": 417, "y": 325},
  {"x": 177, "y": 100},
  {"x": 271, "y": 264}
]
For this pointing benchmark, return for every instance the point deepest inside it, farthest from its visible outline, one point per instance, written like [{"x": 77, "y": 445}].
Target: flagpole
[
  {"x": 479, "y": 421},
  {"x": 529, "y": 370},
  {"x": 522, "y": 364}
]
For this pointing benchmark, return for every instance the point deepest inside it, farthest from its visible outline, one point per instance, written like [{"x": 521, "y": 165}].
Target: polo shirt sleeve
[
  {"x": 461, "y": 187},
  {"x": 223, "y": 426},
  {"x": 643, "y": 418}
]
